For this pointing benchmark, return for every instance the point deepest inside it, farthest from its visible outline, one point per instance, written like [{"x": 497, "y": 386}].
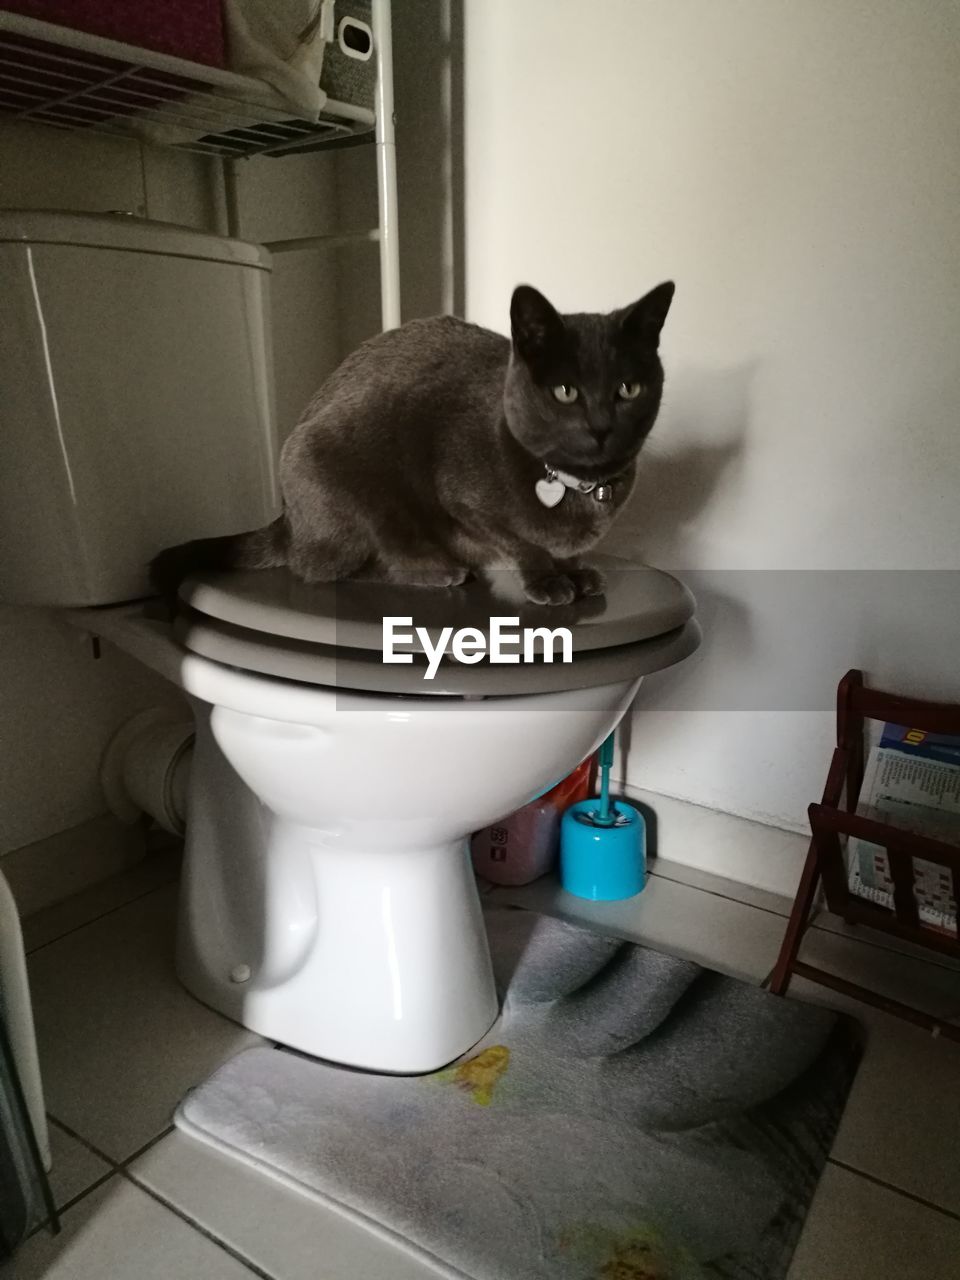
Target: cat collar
[{"x": 552, "y": 487}]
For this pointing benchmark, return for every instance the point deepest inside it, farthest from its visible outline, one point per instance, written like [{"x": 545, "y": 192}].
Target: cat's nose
[{"x": 600, "y": 434}]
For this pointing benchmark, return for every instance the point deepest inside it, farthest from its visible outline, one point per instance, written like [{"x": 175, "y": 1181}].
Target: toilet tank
[{"x": 136, "y": 406}]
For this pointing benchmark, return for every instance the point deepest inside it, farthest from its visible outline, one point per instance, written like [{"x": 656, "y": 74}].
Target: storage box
[{"x": 191, "y": 29}]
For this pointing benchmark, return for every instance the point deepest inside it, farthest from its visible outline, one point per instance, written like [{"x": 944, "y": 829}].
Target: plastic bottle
[{"x": 524, "y": 846}]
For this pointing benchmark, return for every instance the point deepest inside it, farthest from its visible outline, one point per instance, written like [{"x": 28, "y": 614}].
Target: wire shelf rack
[{"x": 71, "y": 80}]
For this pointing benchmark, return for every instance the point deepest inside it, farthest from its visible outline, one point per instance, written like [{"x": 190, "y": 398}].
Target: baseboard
[
  {"x": 722, "y": 844},
  {"x": 54, "y": 868}
]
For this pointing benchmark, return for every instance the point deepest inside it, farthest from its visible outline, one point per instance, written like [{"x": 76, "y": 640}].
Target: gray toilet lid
[
  {"x": 639, "y": 603},
  {"x": 270, "y": 623}
]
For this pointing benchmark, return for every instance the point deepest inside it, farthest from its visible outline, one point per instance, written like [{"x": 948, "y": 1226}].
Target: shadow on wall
[
  {"x": 673, "y": 489},
  {"x": 729, "y": 635},
  {"x": 693, "y": 461}
]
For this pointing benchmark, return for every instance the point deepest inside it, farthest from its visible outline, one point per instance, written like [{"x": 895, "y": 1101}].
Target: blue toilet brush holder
[{"x": 603, "y": 845}]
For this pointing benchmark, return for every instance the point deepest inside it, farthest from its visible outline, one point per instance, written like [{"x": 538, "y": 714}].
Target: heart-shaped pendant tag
[{"x": 550, "y": 492}]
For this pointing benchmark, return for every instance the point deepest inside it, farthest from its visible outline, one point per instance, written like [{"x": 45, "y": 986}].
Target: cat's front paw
[
  {"x": 587, "y": 581},
  {"x": 550, "y": 588},
  {"x": 454, "y": 575}
]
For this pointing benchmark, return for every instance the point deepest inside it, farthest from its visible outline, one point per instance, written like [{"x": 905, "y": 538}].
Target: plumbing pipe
[
  {"x": 386, "y": 167},
  {"x": 146, "y": 768},
  {"x": 18, "y": 1017}
]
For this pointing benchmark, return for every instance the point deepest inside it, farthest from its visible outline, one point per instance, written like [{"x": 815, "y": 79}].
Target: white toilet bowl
[
  {"x": 336, "y": 909},
  {"x": 328, "y": 899}
]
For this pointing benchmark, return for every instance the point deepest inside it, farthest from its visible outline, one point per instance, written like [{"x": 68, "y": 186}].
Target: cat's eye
[
  {"x": 629, "y": 390},
  {"x": 565, "y": 393}
]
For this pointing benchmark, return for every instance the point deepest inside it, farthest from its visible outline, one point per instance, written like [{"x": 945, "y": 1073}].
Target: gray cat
[{"x": 441, "y": 449}]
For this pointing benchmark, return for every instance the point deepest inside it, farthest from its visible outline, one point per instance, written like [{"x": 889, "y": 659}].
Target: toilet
[{"x": 328, "y": 900}]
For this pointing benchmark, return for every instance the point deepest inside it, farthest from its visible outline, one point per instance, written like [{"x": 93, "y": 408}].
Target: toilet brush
[{"x": 603, "y": 844}]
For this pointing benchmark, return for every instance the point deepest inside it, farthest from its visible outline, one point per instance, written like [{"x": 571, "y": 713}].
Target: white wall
[
  {"x": 794, "y": 167},
  {"x": 285, "y": 199}
]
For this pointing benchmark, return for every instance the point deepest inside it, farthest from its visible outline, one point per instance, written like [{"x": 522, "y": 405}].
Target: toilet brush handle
[{"x": 606, "y": 762}]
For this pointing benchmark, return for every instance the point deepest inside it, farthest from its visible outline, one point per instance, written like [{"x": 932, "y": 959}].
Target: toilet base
[{"x": 376, "y": 958}]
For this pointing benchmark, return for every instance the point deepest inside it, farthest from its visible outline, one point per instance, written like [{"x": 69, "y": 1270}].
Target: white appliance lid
[
  {"x": 125, "y": 232},
  {"x": 640, "y": 603}
]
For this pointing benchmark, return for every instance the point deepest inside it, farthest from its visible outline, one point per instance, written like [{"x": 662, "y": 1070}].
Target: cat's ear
[
  {"x": 536, "y": 325},
  {"x": 643, "y": 321}
]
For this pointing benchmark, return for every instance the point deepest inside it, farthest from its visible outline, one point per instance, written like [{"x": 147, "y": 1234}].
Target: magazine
[{"x": 912, "y": 781}]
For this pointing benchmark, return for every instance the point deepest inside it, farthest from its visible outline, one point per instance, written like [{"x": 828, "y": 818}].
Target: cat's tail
[{"x": 264, "y": 548}]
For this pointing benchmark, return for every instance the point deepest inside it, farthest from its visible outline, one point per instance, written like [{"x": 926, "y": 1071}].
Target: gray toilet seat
[{"x": 331, "y": 634}]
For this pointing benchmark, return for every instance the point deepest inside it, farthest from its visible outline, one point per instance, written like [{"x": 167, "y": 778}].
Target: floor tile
[
  {"x": 911, "y": 980},
  {"x": 859, "y": 1231},
  {"x": 766, "y": 901},
  {"x": 699, "y": 837},
  {"x": 710, "y": 883},
  {"x": 714, "y": 931},
  {"x": 64, "y": 864},
  {"x": 282, "y": 1231},
  {"x": 72, "y": 913},
  {"x": 121, "y": 1233},
  {"x": 75, "y": 1167},
  {"x": 120, "y": 1040},
  {"x": 873, "y": 937},
  {"x": 901, "y": 1123}
]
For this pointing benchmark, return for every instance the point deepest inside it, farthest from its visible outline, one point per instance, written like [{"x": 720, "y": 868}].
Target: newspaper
[{"x": 912, "y": 781}]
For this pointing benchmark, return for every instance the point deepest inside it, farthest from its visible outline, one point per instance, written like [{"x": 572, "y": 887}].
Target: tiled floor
[{"x": 120, "y": 1043}]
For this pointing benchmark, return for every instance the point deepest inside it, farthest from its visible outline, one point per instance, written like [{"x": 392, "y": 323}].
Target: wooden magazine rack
[{"x": 835, "y": 816}]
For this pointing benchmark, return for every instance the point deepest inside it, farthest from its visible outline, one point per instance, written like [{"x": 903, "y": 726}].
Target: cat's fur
[{"x": 417, "y": 460}]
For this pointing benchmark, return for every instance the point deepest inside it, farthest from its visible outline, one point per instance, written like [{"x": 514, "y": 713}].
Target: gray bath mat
[{"x": 630, "y": 1116}]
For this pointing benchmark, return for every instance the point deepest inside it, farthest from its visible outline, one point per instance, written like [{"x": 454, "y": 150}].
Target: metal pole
[
  {"x": 386, "y": 168},
  {"x": 231, "y": 197}
]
